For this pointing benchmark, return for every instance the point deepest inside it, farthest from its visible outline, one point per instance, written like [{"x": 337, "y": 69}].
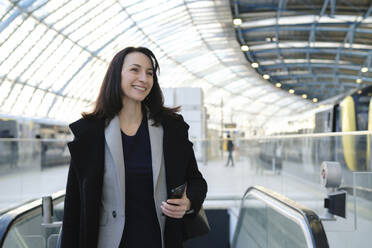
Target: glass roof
[
  {"x": 55, "y": 54},
  {"x": 315, "y": 49}
]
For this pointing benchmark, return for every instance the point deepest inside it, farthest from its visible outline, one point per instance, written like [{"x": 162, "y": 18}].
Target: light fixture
[
  {"x": 244, "y": 48},
  {"x": 359, "y": 80},
  {"x": 360, "y": 92},
  {"x": 291, "y": 91},
  {"x": 254, "y": 65},
  {"x": 237, "y": 21},
  {"x": 278, "y": 85},
  {"x": 304, "y": 96},
  {"x": 315, "y": 99},
  {"x": 268, "y": 39},
  {"x": 364, "y": 69},
  {"x": 265, "y": 76}
]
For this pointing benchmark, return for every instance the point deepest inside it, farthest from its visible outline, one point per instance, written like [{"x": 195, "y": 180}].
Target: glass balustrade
[
  {"x": 289, "y": 165},
  {"x": 31, "y": 168}
]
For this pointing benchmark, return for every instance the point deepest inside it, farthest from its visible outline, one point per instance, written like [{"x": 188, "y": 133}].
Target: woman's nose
[{"x": 142, "y": 76}]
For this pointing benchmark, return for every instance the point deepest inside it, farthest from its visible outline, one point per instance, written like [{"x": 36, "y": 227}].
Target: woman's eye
[
  {"x": 134, "y": 69},
  {"x": 149, "y": 73}
]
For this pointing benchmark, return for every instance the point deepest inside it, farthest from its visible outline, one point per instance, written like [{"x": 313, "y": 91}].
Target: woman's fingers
[
  {"x": 179, "y": 202},
  {"x": 171, "y": 214},
  {"x": 176, "y": 208},
  {"x": 174, "y": 211}
]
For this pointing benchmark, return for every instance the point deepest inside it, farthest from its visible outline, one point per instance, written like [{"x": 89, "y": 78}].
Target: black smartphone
[{"x": 176, "y": 193}]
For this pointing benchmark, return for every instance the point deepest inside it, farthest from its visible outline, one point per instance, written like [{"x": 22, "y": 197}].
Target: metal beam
[
  {"x": 247, "y": 7},
  {"x": 317, "y": 83},
  {"x": 23, "y": 5},
  {"x": 281, "y": 5},
  {"x": 281, "y": 78},
  {"x": 317, "y": 65},
  {"x": 352, "y": 53},
  {"x": 310, "y": 41},
  {"x": 333, "y": 7},
  {"x": 368, "y": 13},
  {"x": 302, "y": 28},
  {"x": 236, "y": 8},
  {"x": 324, "y": 7}
]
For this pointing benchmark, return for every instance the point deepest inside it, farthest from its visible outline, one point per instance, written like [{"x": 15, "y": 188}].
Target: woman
[{"x": 126, "y": 157}]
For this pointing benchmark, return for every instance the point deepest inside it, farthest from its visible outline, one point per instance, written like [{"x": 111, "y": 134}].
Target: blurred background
[{"x": 271, "y": 88}]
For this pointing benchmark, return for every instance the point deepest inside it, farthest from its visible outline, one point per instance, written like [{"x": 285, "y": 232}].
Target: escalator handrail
[
  {"x": 314, "y": 224},
  {"x": 9, "y": 218}
]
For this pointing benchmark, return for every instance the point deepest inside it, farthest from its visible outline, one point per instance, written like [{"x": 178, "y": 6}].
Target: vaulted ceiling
[
  {"x": 314, "y": 48},
  {"x": 54, "y": 53}
]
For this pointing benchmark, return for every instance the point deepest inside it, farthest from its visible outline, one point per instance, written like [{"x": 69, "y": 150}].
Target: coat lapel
[
  {"x": 114, "y": 143},
  {"x": 156, "y": 142}
]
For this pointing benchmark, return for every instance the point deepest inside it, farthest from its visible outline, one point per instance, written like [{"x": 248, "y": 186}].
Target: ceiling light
[
  {"x": 291, "y": 91},
  {"x": 359, "y": 80},
  {"x": 304, "y": 96},
  {"x": 315, "y": 99},
  {"x": 254, "y": 65},
  {"x": 265, "y": 76},
  {"x": 237, "y": 21},
  {"x": 244, "y": 48},
  {"x": 278, "y": 85},
  {"x": 364, "y": 69},
  {"x": 360, "y": 92}
]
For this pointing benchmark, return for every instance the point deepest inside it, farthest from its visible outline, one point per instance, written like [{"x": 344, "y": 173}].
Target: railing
[
  {"x": 22, "y": 226},
  {"x": 268, "y": 219}
]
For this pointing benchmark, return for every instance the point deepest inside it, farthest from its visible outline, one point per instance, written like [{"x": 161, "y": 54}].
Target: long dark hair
[{"x": 109, "y": 101}]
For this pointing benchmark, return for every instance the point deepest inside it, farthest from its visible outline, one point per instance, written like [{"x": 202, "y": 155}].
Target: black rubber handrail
[
  {"x": 314, "y": 223},
  {"x": 10, "y": 217}
]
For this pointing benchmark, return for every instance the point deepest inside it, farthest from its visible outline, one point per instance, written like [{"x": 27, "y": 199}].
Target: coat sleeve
[
  {"x": 196, "y": 184},
  {"x": 71, "y": 218}
]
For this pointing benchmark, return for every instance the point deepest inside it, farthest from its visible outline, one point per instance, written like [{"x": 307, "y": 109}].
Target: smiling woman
[{"x": 127, "y": 156}]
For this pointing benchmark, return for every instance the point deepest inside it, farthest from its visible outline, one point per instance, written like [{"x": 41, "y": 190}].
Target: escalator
[
  {"x": 266, "y": 219},
  {"x": 21, "y": 227}
]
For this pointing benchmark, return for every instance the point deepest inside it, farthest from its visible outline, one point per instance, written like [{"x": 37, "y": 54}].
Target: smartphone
[{"x": 176, "y": 193}]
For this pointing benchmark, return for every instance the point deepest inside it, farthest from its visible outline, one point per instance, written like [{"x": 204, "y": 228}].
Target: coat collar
[
  {"x": 113, "y": 141},
  {"x": 156, "y": 141}
]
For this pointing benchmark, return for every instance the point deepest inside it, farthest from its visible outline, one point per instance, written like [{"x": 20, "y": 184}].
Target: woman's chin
[{"x": 136, "y": 98}]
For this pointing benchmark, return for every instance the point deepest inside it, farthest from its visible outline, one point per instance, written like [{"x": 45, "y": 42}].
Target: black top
[
  {"x": 141, "y": 224},
  {"x": 230, "y": 145}
]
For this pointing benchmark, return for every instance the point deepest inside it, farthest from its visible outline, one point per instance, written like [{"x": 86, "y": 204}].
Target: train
[
  {"x": 32, "y": 142},
  {"x": 350, "y": 112}
]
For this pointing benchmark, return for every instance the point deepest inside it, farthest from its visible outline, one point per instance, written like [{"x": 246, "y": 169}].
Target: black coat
[{"x": 85, "y": 177}]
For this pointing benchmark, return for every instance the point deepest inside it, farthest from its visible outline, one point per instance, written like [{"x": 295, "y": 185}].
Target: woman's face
[{"x": 136, "y": 77}]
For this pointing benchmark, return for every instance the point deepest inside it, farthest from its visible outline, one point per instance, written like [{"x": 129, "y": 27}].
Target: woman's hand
[{"x": 176, "y": 208}]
